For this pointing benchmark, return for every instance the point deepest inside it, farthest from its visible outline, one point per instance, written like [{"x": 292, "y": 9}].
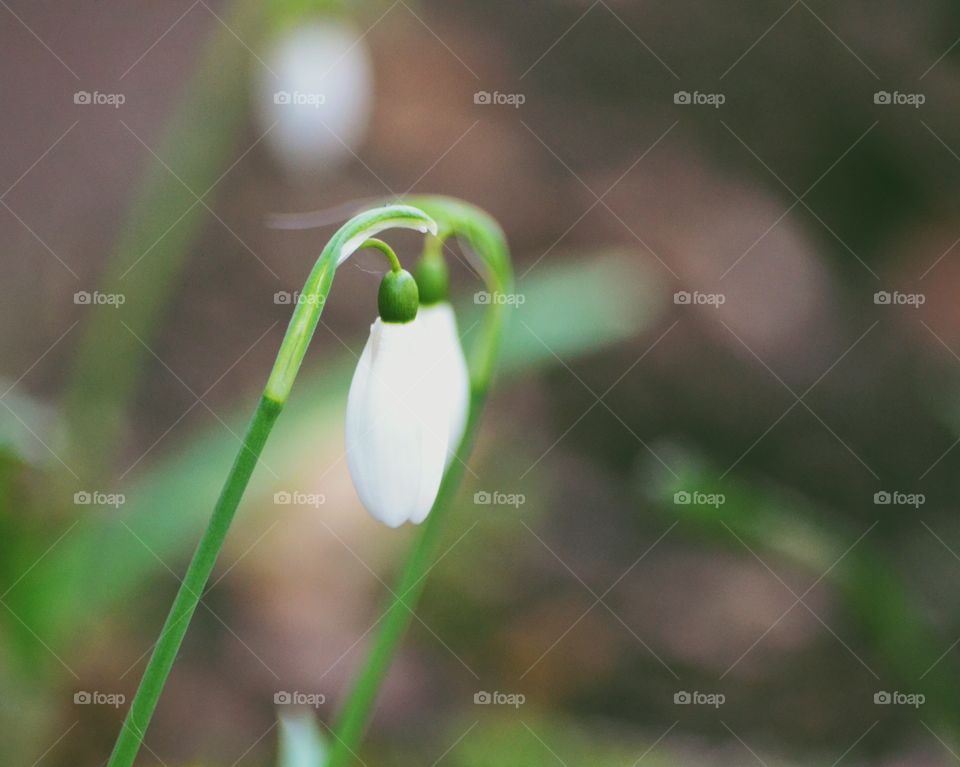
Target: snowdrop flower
[
  {"x": 396, "y": 430},
  {"x": 316, "y": 98},
  {"x": 446, "y": 366}
]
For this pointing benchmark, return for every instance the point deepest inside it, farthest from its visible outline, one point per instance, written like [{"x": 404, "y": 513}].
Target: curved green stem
[
  {"x": 485, "y": 239},
  {"x": 306, "y": 315},
  {"x": 348, "y": 239},
  {"x": 380, "y": 245}
]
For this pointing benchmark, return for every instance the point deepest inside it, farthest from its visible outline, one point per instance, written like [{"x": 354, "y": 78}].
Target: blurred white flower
[
  {"x": 320, "y": 98},
  {"x": 396, "y": 429},
  {"x": 445, "y": 367}
]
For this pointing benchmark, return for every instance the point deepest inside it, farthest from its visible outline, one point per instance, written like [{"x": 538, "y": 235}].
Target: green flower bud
[
  {"x": 433, "y": 279},
  {"x": 398, "y": 297}
]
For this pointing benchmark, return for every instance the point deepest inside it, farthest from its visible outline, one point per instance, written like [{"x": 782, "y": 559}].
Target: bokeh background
[{"x": 711, "y": 517}]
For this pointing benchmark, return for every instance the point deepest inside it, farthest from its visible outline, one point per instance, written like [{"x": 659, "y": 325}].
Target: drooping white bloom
[
  {"x": 315, "y": 96},
  {"x": 396, "y": 431},
  {"x": 445, "y": 367}
]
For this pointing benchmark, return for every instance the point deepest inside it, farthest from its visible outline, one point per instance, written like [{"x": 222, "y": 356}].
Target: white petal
[
  {"x": 316, "y": 97},
  {"x": 396, "y": 433},
  {"x": 445, "y": 367}
]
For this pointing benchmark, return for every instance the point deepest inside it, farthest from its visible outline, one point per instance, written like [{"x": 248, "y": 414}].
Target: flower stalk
[
  {"x": 349, "y": 238},
  {"x": 443, "y": 217},
  {"x": 485, "y": 240}
]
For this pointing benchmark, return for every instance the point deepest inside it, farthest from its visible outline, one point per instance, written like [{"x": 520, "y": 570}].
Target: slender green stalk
[
  {"x": 306, "y": 316},
  {"x": 387, "y": 251},
  {"x": 483, "y": 236},
  {"x": 358, "y": 706},
  {"x": 194, "y": 582}
]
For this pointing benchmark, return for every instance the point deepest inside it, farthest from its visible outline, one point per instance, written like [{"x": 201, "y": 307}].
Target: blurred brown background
[{"x": 790, "y": 168}]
